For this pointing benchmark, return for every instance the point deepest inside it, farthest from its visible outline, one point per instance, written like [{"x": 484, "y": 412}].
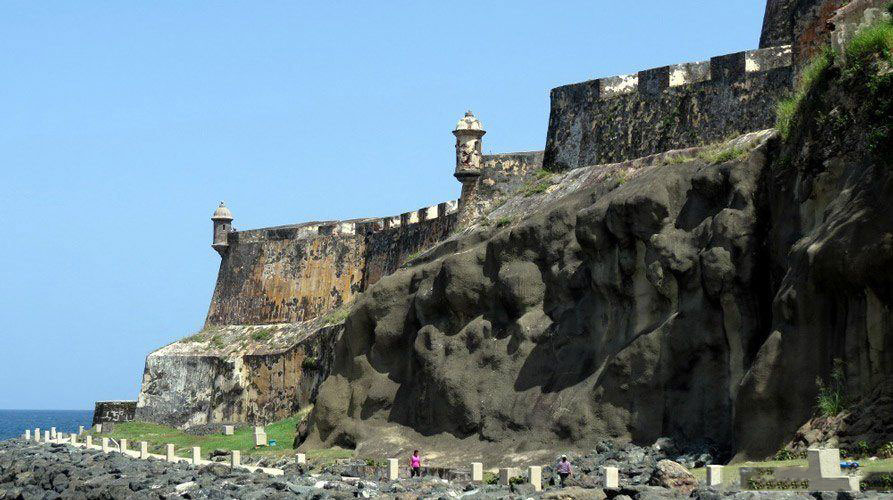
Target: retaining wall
[{"x": 624, "y": 117}]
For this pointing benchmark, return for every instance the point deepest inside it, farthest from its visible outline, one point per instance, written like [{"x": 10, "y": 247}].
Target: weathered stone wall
[
  {"x": 629, "y": 116},
  {"x": 281, "y": 275},
  {"x": 300, "y": 272},
  {"x": 801, "y": 23},
  {"x": 229, "y": 377},
  {"x": 113, "y": 411},
  {"x": 387, "y": 250}
]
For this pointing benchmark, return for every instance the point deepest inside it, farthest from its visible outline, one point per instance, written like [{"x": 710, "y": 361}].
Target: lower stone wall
[
  {"x": 184, "y": 385},
  {"x": 113, "y": 411}
]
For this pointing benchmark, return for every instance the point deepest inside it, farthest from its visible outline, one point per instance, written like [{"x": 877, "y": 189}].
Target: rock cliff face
[{"x": 696, "y": 295}]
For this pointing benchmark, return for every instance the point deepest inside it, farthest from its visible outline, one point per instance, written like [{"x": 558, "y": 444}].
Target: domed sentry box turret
[
  {"x": 468, "y": 134},
  {"x": 222, "y": 220}
]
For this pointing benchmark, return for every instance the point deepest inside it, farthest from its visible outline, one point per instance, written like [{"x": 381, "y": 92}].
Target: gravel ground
[{"x": 31, "y": 470}]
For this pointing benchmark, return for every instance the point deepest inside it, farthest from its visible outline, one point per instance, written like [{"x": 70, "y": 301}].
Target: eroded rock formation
[{"x": 690, "y": 299}]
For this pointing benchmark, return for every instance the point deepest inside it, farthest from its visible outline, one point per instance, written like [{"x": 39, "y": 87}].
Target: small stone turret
[
  {"x": 222, "y": 220},
  {"x": 468, "y": 134}
]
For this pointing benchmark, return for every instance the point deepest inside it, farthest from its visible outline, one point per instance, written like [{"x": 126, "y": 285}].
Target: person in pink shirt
[
  {"x": 564, "y": 469},
  {"x": 415, "y": 464}
]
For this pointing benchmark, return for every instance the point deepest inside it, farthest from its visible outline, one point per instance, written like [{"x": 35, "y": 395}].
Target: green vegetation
[
  {"x": 503, "y": 221},
  {"x": 262, "y": 334},
  {"x": 784, "y": 454},
  {"x": 814, "y": 73},
  {"x": 859, "y": 71},
  {"x": 542, "y": 174},
  {"x": 198, "y": 337},
  {"x": 336, "y": 316},
  {"x": 309, "y": 363},
  {"x": 217, "y": 341},
  {"x": 832, "y": 399},
  {"x": 715, "y": 156},
  {"x": 886, "y": 450},
  {"x": 283, "y": 432},
  {"x": 874, "y": 40},
  {"x": 517, "y": 480},
  {"x": 490, "y": 478},
  {"x": 534, "y": 187},
  {"x": 413, "y": 256}
]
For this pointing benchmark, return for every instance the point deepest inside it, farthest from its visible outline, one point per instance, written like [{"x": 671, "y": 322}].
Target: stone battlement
[
  {"x": 651, "y": 81},
  {"x": 346, "y": 227},
  {"x": 623, "y": 117}
]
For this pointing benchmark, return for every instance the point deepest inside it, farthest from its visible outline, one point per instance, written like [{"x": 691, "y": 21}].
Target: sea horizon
[{"x": 14, "y": 422}]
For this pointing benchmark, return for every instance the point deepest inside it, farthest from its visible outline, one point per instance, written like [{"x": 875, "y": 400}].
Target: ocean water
[{"x": 14, "y": 422}]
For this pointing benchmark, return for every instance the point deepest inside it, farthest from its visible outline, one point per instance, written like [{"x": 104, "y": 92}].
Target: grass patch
[
  {"x": 283, "y": 432},
  {"x": 715, "y": 156},
  {"x": 536, "y": 187},
  {"x": 503, "y": 221},
  {"x": 217, "y": 341},
  {"x": 832, "y": 399},
  {"x": 337, "y": 316},
  {"x": 787, "y": 109},
  {"x": 877, "y": 39},
  {"x": 262, "y": 334},
  {"x": 309, "y": 363},
  {"x": 198, "y": 337}
]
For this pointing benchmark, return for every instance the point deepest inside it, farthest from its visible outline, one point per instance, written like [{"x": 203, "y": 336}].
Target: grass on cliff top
[
  {"x": 730, "y": 472},
  {"x": 158, "y": 436},
  {"x": 876, "y": 40}
]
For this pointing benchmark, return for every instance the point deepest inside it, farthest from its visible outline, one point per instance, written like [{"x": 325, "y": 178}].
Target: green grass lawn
[
  {"x": 730, "y": 472},
  {"x": 283, "y": 432}
]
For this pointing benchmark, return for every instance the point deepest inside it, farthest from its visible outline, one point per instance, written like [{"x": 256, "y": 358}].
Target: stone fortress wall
[
  {"x": 625, "y": 117},
  {"x": 298, "y": 272}
]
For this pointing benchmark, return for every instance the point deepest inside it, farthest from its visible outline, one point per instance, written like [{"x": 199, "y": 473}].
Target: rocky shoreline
[{"x": 49, "y": 471}]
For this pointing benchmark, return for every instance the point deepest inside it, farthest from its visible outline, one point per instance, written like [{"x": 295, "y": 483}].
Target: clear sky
[{"x": 122, "y": 124}]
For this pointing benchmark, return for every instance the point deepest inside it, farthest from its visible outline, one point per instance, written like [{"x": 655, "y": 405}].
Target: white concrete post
[
  {"x": 301, "y": 459},
  {"x": 714, "y": 475},
  {"x": 105, "y": 445},
  {"x": 393, "y": 469},
  {"x": 535, "y": 477},
  {"x": 74, "y": 439},
  {"x": 196, "y": 455},
  {"x": 80, "y": 430},
  {"x": 53, "y": 432},
  {"x": 825, "y": 461},
  {"x": 260, "y": 436},
  {"x": 97, "y": 427},
  {"x": 612, "y": 477},
  {"x": 229, "y": 430},
  {"x": 236, "y": 458},
  {"x": 89, "y": 441},
  {"x": 144, "y": 450},
  {"x": 37, "y": 434},
  {"x": 477, "y": 471},
  {"x": 46, "y": 436},
  {"x": 27, "y": 435},
  {"x": 169, "y": 453},
  {"x": 123, "y": 446}
]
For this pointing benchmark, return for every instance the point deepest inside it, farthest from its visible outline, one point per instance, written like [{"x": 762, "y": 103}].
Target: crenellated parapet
[{"x": 623, "y": 117}]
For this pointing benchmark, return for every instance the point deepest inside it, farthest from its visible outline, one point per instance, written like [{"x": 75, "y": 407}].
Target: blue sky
[{"x": 122, "y": 124}]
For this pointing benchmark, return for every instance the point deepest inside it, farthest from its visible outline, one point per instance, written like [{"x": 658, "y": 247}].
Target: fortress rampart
[
  {"x": 295, "y": 273},
  {"x": 624, "y": 117}
]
